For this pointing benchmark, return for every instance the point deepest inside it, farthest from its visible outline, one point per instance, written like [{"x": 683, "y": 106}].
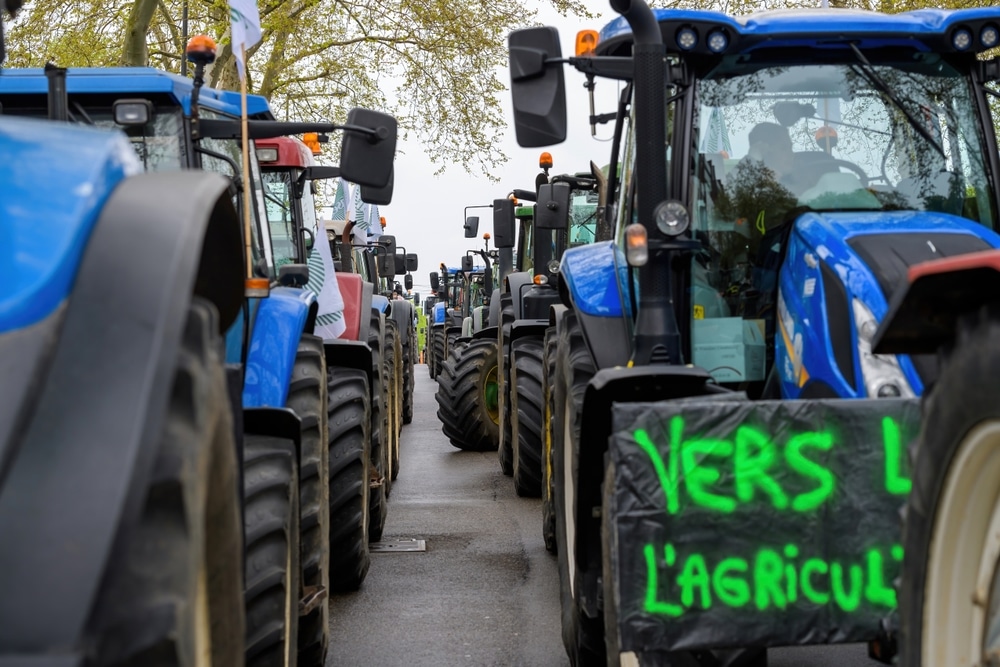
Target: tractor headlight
[
  {"x": 961, "y": 39},
  {"x": 882, "y": 375}
]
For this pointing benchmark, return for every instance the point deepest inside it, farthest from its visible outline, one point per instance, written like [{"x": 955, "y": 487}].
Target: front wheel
[
  {"x": 950, "y": 594},
  {"x": 467, "y": 396},
  {"x": 172, "y": 592}
]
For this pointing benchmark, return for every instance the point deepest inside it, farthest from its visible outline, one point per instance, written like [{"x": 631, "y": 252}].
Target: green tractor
[{"x": 529, "y": 292}]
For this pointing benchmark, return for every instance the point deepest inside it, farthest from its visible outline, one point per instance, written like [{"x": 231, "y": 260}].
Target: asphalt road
[{"x": 485, "y": 591}]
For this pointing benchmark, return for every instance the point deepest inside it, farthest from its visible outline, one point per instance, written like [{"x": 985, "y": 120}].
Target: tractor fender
[
  {"x": 522, "y": 328},
  {"x": 515, "y": 281},
  {"x": 555, "y": 313},
  {"x": 924, "y": 314},
  {"x": 89, "y": 447},
  {"x": 274, "y": 340},
  {"x": 357, "y": 299},
  {"x": 486, "y": 332},
  {"x": 494, "y": 318},
  {"x": 639, "y": 384},
  {"x": 591, "y": 280},
  {"x": 380, "y": 303},
  {"x": 273, "y": 422},
  {"x": 402, "y": 312},
  {"x": 349, "y": 354},
  {"x": 467, "y": 327}
]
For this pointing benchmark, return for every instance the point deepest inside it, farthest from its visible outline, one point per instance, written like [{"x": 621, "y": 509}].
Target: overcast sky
[{"x": 426, "y": 214}]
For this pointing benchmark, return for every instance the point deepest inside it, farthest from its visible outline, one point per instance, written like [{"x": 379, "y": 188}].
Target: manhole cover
[{"x": 401, "y": 544}]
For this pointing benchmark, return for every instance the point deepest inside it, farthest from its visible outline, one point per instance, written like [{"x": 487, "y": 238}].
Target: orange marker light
[
  {"x": 311, "y": 139},
  {"x": 545, "y": 160},
  {"x": 540, "y": 279},
  {"x": 257, "y": 287},
  {"x": 636, "y": 245},
  {"x": 201, "y": 48},
  {"x": 586, "y": 43},
  {"x": 486, "y": 236},
  {"x": 381, "y": 220}
]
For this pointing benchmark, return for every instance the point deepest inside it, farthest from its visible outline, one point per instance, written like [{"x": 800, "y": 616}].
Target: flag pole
[{"x": 247, "y": 192}]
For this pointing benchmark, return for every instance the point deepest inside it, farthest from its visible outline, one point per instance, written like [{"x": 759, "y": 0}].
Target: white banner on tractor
[
  {"x": 245, "y": 30},
  {"x": 323, "y": 283}
]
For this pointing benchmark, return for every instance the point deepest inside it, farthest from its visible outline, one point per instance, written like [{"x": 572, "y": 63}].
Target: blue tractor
[
  {"x": 715, "y": 494},
  {"x": 303, "y": 519}
]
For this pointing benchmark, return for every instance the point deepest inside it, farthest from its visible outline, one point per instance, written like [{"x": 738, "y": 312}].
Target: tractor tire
[
  {"x": 450, "y": 344},
  {"x": 466, "y": 397},
  {"x": 409, "y": 356},
  {"x": 350, "y": 481},
  {"x": 950, "y": 569},
  {"x": 526, "y": 415},
  {"x": 437, "y": 345},
  {"x": 548, "y": 492},
  {"x": 382, "y": 439},
  {"x": 583, "y": 637},
  {"x": 394, "y": 354},
  {"x": 308, "y": 397},
  {"x": 505, "y": 449},
  {"x": 271, "y": 526},
  {"x": 173, "y": 588}
]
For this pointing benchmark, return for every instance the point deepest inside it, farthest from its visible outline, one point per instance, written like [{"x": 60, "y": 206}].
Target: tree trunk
[{"x": 140, "y": 17}]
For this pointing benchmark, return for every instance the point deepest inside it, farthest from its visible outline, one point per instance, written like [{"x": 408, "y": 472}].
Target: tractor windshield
[
  {"x": 583, "y": 217},
  {"x": 775, "y": 139},
  {"x": 278, "y": 202}
]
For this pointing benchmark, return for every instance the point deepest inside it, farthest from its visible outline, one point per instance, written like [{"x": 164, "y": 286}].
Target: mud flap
[{"x": 769, "y": 523}]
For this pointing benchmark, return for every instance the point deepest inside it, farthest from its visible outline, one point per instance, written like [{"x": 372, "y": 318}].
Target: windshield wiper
[{"x": 869, "y": 74}]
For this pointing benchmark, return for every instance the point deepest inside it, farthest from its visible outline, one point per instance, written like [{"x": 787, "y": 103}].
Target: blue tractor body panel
[
  {"x": 56, "y": 180},
  {"x": 125, "y": 81},
  {"x": 596, "y": 275},
  {"x": 438, "y": 313},
  {"x": 805, "y": 325},
  {"x": 380, "y": 303},
  {"x": 274, "y": 339}
]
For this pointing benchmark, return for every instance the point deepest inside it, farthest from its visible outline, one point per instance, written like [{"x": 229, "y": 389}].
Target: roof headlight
[
  {"x": 687, "y": 38},
  {"x": 717, "y": 41},
  {"x": 961, "y": 39},
  {"x": 989, "y": 36}
]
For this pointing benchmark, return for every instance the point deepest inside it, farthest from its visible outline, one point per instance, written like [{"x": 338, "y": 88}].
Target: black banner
[{"x": 737, "y": 523}]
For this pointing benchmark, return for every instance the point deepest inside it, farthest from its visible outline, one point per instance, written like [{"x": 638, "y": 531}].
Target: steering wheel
[{"x": 852, "y": 167}]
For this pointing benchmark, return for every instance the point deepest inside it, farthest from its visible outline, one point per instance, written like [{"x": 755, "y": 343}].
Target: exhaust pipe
[{"x": 58, "y": 98}]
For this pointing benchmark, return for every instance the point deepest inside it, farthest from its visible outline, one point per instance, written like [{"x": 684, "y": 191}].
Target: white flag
[
  {"x": 245, "y": 29},
  {"x": 323, "y": 283}
]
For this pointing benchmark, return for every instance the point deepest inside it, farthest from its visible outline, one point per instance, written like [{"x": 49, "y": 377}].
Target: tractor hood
[
  {"x": 56, "y": 179},
  {"x": 838, "y": 276}
]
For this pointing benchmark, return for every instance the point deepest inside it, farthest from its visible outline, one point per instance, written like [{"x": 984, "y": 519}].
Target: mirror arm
[
  {"x": 608, "y": 67},
  {"x": 228, "y": 160}
]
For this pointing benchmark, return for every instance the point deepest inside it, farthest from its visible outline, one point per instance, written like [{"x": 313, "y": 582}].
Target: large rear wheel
[
  {"x": 467, "y": 396},
  {"x": 172, "y": 594},
  {"x": 271, "y": 526},
  {"x": 505, "y": 447},
  {"x": 950, "y": 595},
  {"x": 381, "y": 413},
  {"x": 308, "y": 397},
  {"x": 548, "y": 491},
  {"x": 350, "y": 458},
  {"x": 526, "y": 415}
]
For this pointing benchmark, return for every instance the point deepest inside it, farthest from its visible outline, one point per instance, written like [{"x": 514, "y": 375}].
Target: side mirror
[
  {"x": 379, "y": 196},
  {"x": 552, "y": 209},
  {"x": 366, "y": 158},
  {"x": 435, "y": 283},
  {"x": 399, "y": 264},
  {"x": 388, "y": 242},
  {"x": 408, "y": 281},
  {"x": 467, "y": 264},
  {"x": 386, "y": 266},
  {"x": 293, "y": 275},
  {"x": 538, "y": 91},
  {"x": 471, "y": 227},
  {"x": 504, "y": 227},
  {"x": 411, "y": 261}
]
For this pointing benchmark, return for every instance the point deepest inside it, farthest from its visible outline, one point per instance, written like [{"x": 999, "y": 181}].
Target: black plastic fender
[
  {"x": 89, "y": 447},
  {"x": 608, "y": 338},
  {"x": 514, "y": 283},
  {"x": 487, "y": 332},
  {"x": 494, "y": 319},
  {"x": 273, "y": 422},
  {"x": 521, "y": 328},
  {"x": 366, "y": 307},
  {"x": 349, "y": 354},
  {"x": 923, "y": 316},
  {"x": 616, "y": 385}
]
